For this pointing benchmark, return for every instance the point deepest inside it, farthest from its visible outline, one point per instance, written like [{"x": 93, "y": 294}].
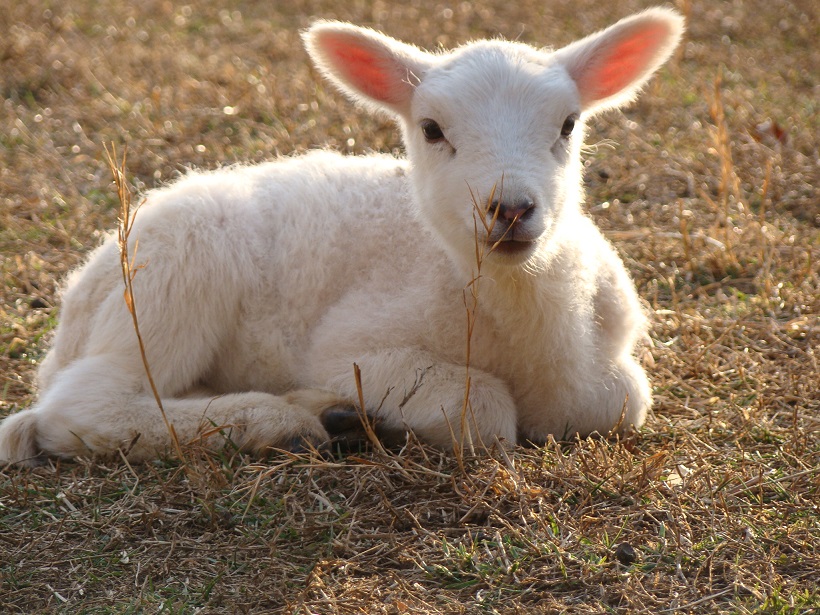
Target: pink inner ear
[
  {"x": 623, "y": 63},
  {"x": 364, "y": 69}
]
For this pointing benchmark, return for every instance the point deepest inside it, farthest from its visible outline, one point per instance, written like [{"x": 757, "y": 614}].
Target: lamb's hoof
[
  {"x": 342, "y": 419},
  {"x": 345, "y": 425}
]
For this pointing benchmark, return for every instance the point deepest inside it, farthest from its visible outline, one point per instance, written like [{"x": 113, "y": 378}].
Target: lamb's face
[
  {"x": 493, "y": 136},
  {"x": 491, "y": 128}
]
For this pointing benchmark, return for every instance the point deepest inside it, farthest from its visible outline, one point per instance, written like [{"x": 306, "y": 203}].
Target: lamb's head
[{"x": 493, "y": 129}]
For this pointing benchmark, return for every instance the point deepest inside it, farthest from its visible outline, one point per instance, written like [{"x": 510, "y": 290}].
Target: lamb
[{"x": 264, "y": 285}]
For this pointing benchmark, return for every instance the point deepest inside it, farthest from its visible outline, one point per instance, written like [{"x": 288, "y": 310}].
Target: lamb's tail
[{"x": 18, "y": 439}]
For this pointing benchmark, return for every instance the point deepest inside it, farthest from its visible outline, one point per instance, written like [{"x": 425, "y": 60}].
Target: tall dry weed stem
[
  {"x": 369, "y": 428},
  {"x": 483, "y": 247},
  {"x": 729, "y": 187},
  {"x": 130, "y": 269},
  {"x": 734, "y": 214}
]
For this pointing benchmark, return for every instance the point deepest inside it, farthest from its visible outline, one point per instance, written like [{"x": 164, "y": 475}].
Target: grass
[{"x": 709, "y": 191}]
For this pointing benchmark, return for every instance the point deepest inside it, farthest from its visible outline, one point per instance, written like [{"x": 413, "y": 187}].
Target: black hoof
[
  {"x": 348, "y": 433},
  {"x": 340, "y": 420}
]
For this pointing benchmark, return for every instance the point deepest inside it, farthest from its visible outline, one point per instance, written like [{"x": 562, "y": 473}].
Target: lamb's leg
[
  {"x": 408, "y": 390},
  {"x": 96, "y": 408}
]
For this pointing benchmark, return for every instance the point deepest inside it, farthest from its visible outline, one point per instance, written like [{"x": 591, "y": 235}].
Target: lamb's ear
[
  {"x": 368, "y": 66},
  {"x": 610, "y": 67}
]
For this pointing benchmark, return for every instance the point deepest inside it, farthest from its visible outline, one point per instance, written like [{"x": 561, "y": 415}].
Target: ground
[{"x": 708, "y": 186}]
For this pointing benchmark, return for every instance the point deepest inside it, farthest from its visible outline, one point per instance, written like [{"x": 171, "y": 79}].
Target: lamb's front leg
[{"x": 410, "y": 389}]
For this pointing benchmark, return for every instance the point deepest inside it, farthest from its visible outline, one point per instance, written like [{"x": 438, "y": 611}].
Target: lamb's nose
[{"x": 516, "y": 210}]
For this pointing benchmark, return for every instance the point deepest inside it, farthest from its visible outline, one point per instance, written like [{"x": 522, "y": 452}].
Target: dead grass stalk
[{"x": 130, "y": 270}]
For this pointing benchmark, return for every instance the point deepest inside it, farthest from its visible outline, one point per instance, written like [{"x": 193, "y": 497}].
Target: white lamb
[{"x": 263, "y": 285}]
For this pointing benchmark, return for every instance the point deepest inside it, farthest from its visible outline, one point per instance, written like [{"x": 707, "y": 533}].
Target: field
[{"x": 708, "y": 186}]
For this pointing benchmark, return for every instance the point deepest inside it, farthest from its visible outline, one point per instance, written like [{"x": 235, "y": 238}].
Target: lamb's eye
[
  {"x": 432, "y": 131},
  {"x": 569, "y": 124}
]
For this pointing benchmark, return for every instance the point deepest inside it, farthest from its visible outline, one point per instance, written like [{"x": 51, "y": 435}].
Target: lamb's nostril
[
  {"x": 526, "y": 206},
  {"x": 517, "y": 210}
]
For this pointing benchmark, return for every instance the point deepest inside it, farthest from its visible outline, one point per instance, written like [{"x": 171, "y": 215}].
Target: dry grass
[{"x": 710, "y": 194}]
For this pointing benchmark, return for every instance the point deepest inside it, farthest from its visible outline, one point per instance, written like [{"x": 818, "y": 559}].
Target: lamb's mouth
[{"x": 511, "y": 247}]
